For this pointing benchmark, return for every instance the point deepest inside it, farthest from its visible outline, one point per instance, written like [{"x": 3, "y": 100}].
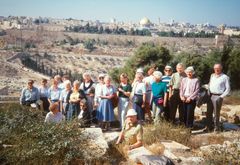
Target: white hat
[
  {"x": 168, "y": 67},
  {"x": 101, "y": 75},
  {"x": 190, "y": 69},
  {"x": 139, "y": 70},
  {"x": 131, "y": 112},
  {"x": 157, "y": 74}
]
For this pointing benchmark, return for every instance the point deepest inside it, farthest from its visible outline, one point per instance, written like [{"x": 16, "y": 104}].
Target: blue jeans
[
  {"x": 122, "y": 109},
  {"x": 157, "y": 111},
  {"x": 73, "y": 111},
  {"x": 189, "y": 113}
]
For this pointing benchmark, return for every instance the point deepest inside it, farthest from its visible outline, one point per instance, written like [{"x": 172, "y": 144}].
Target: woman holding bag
[{"x": 159, "y": 96}]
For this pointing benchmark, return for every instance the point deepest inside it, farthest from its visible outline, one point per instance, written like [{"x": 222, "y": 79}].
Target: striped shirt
[{"x": 166, "y": 79}]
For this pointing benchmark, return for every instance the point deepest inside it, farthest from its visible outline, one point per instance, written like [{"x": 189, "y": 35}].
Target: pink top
[{"x": 192, "y": 86}]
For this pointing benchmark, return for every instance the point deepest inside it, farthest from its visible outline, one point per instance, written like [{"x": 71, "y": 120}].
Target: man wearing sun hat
[{"x": 132, "y": 132}]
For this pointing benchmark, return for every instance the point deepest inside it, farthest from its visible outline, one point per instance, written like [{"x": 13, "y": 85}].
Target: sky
[{"x": 215, "y": 12}]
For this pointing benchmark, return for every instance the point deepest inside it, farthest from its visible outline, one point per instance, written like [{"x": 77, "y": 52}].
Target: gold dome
[{"x": 145, "y": 21}]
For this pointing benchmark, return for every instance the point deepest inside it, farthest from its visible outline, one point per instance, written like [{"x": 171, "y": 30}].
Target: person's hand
[
  {"x": 220, "y": 99},
  {"x": 169, "y": 96},
  {"x": 95, "y": 105},
  {"x": 188, "y": 100},
  {"x": 130, "y": 147},
  {"x": 118, "y": 141},
  {"x": 164, "y": 104},
  {"x": 143, "y": 105},
  {"x": 120, "y": 90},
  {"x": 183, "y": 99}
]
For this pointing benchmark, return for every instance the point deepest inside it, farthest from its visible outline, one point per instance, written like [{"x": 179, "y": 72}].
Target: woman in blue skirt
[{"x": 105, "y": 113}]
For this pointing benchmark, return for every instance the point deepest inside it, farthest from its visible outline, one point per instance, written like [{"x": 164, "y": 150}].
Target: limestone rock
[
  {"x": 138, "y": 152},
  {"x": 111, "y": 137},
  {"x": 174, "y": 146},
  {"x": 96, "y": 141},
  {"x": 154, "y": 159},
  {"x": 170, "y": 155},
  {"x": 191, "y": 160}
]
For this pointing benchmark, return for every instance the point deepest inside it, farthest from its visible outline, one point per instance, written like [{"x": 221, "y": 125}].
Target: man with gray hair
[
  {"x": 219, "y": 87},
  {"x": 175, "y": 101}
]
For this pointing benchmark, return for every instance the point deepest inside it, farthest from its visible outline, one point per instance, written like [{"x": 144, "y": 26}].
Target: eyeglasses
[{"x": 167, "y": 70}]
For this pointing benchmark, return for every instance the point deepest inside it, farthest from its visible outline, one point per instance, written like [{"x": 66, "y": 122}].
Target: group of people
[{"x": 156, "y": 95}]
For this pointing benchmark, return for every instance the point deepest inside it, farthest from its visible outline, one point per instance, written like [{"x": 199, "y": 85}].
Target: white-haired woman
[
  {"x": 64, "y": 105},
  {"x": 189, "y": 89},
  {"x": 88, "y": 86},
  {"x": 105, "y": 113},
  {"x": 159, "y": 96},
  {"x": 139, "y": 98},
  {"x": 74, "y": 98}
]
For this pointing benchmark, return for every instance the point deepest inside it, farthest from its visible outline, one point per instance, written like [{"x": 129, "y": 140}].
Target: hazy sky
[{"x": 194, "y": 11}]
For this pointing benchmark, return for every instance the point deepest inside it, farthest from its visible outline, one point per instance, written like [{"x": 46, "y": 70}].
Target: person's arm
[
  {"x": 181, "y": 90},
  {"x": 22, "y": 97},
  {"x": 227, "y": 88},
  {"x": 49, "y": 96},
  {"x": 47, "y": 118},
  {"x": 171, "y": 87},
  {"x": 120, "y": 137},
  {"x": 144, "y": 90},
  {"x": 165, "y": 99},
  {"x": 139, "y": 143}
]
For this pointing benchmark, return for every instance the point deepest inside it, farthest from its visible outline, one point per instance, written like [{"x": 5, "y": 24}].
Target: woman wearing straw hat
[{"x": 132, "y": 132}]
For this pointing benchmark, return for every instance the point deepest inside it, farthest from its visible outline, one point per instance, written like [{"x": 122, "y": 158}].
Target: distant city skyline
[{"x": 215, "y": 12}]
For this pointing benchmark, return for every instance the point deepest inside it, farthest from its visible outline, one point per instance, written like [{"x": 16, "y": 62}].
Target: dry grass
[
  {"x": 156, "y": 148},
  {"x": 197, "y": 141},
  {"x": 166, "y": 131},
  {"x": 234, "y": 99}
]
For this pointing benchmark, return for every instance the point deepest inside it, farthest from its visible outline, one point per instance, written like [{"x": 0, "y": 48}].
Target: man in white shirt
[{"x": 219, "y": 87}]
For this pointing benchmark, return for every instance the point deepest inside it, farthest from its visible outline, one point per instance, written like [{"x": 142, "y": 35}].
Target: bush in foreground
[{"x": 29, "y": 140}]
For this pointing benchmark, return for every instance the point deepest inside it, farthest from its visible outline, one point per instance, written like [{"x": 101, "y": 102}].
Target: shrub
[
  {"x": 32, "y": 141},
  {"x": 145, "y": 56}
]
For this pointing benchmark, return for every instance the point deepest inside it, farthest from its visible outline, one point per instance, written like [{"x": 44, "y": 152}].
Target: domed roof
[{"x": 145, "y": 21}]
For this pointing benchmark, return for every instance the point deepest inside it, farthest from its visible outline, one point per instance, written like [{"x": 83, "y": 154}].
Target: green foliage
[
  {"x": 89, "y": 44},
  {"x": 233, "y": 67},
  {"x": 33, "y": 141},
  {"x": 3, "y": 32},
  {"x": 145, "y": 56},
  {"x": 29, "y": 45},
  {"x": 100, "y": 30},
  {"x": 202, "y": 64},
  {"x": 201, "y": 34}
]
